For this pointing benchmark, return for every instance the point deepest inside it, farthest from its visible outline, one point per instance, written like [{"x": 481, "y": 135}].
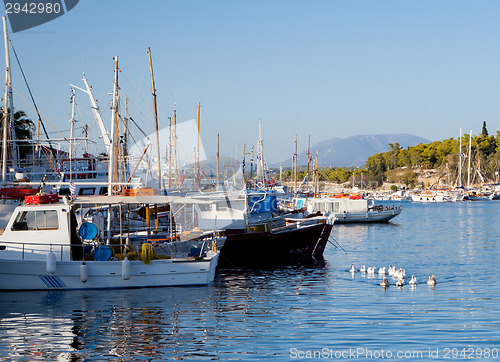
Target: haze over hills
[{"x": 355, "y": 150}]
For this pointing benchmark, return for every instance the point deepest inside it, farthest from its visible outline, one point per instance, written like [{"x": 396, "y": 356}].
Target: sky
[{"x": 314, "y": 68}]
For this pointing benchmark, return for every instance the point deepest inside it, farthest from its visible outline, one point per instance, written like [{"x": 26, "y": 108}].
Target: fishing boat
[
  {"x": 256, "y": 234},
  {"x": 347, "y": 209},
  {"x": 45, "y": 247}
]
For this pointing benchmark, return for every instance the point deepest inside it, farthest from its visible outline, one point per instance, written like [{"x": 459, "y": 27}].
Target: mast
[
  {"x": 169, "y": 152},
  {"x": 261, "y": 152},
  {"x": 125, "y": 142},
  {"x": 72, "y": 123},
  {"x": 197, "y": 158},
  {"x": 6, "y": 115},
  {"x": 71, "y": 132},
  {"x": 460, "y": 160},
  {"x": 281, "y": 169},
  {"x": 316, "y": 176},
  {"x": 175, "y": 145},
  {"x": 295, "y": 167},
  {"x": 308, "y": 159},
  {"x": 111, "y": 148},
  {"x": 217, "y": 177},
  {"x": 156, "y": 118},
  {"x": 468, "y": 170}
]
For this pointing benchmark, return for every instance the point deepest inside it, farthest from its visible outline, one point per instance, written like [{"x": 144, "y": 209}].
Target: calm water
[{"x": 293, "y": 312}]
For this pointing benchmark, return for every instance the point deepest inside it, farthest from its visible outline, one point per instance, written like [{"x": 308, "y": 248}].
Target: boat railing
[{"x": 101, "y": 252}]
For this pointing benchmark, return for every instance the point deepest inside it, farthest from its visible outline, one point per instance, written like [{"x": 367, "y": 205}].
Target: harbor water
[{"x": 317, "y": 312}]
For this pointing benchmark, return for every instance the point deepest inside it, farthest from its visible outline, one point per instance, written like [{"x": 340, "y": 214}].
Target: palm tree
[{"x": 24, "y": 130}]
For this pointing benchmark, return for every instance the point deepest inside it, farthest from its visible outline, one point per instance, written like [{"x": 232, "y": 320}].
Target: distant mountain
[{"x": 355, "y": 150}]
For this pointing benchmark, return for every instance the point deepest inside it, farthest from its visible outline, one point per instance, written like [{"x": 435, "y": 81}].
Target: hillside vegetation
[{"x": 408, "y": 165}]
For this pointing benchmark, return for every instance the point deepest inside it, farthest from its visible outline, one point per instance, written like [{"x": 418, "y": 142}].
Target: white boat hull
[
  {"x": 370, "y": 216},
  {"x": 32, "y": 275}
]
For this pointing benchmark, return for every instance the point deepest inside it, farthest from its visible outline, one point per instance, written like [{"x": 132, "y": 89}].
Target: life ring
[{"x": 117, "y": 189}]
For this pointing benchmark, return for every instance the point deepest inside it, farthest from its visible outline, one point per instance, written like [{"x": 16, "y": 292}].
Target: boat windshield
[{"x": 36, "y": 220}]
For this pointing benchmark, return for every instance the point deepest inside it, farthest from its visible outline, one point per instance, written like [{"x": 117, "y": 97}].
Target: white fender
[
  {"x": 50, "y": 263},
  {"x": 84, "y": 272},
  {"x": 126, "y": 269}
]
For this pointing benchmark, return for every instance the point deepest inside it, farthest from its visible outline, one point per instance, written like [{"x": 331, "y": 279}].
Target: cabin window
[
  {"x": 87, "y": 191},
  {"x": 221, "y": 207},
  {"x": 36, "y": 220},
  {"x": 205, "y": 207}
]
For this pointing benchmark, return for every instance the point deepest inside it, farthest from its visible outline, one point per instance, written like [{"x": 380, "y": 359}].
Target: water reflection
[
  {"x": 119, "y": 323},
  {"x": 152, "y": 323}
]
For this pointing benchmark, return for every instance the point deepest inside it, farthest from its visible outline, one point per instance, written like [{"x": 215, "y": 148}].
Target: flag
[{"x": 72, "y": 187}]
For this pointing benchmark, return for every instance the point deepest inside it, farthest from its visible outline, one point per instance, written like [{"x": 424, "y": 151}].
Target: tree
[
  {"x": 24, "y": 130},
  {"x": 484, "y": 132}
]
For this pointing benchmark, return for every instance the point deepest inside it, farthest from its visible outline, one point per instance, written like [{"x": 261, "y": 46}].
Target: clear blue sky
[{"x": 319, "y": 68}]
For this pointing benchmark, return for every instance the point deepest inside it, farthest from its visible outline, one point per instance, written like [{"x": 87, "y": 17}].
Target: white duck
[
  {"x": 391, "y": 270},
  {"x": 400, "y": 283},
  {"x": 432, "y": 280},
  {"x": 371, "y": 270},
  {"x": 363, "y": 269},
  {"x": 382, "y": 270},
  {"x": 413, "y": 281},
  {"x": 353, "y": 269}
]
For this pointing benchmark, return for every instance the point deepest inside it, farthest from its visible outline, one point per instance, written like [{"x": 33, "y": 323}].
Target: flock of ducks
[{"x": 398, "y": 274}]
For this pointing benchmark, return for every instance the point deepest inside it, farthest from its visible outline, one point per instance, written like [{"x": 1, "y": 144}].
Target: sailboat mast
[
  {"x": 468, "y": 167},
  {"x": 460, "y": 160},
  {"x": 261, "y": 151},
  {"x": 72, "y": 123},
  {"x": 197, "y": 166},
  {"x": 175, "y": 145},
  {"x": 217, "y": 177},
  {"x": 71, "y": 132},
  {"x": 6, "y": 117},
  {"x": 281, "y": 169},
  {"x": 316, "y": 176},
  {"x": 308, "y": 158},
  {"x": 169, "y": 152},
  {"x": 156, "y": 118},
  {"x": 295, "y": 167}
]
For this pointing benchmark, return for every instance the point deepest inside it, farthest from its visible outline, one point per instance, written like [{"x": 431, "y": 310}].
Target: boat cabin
[{"x": 35, "y": 230}]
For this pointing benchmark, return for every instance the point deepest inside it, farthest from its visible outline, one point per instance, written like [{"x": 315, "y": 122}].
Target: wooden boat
[
  {"x": 255, "y": 234},
  {"x": 44, "y": 248}
]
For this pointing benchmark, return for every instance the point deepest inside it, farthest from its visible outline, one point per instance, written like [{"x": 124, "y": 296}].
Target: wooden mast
[
  {"x": 111, "y": 145},
  {"x": 156, "y": 119}
]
